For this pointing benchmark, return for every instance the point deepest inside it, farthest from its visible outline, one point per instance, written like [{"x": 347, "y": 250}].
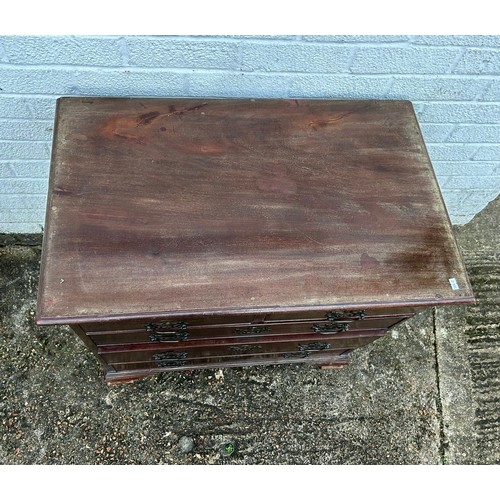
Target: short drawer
[
  {"x": 348, "y": 314},
  {"x": 173, "y": 323},
  {"x": 149, "y": 334},
  {"x": 289, "y": 346}
]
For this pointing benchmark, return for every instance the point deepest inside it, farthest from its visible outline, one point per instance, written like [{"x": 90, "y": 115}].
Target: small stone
[{"x": 186, "y": 444}]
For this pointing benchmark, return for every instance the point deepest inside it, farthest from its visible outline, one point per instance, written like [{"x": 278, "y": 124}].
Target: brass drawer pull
[
  {"x": 167, "y": 331},
  {"x": 314, "y": 346},
  {"x": 168, "y": 336},
  {"x": 330, "y": 328},
  {"x": 252, "y": 330},
  {"x": 170, "y": 363},
  {"x": 335, "y": 315},
  {"x": 166, "y": 326},
  {"x": 170, "y": 355}
]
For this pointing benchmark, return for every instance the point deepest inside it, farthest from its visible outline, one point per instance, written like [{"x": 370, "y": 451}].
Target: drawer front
[
  {"x": 136, "y": 370},
  {"x": 349, "y": 314},
  {"x": 182, "y": 355},
  {"x": 180, "y": 324},
  {"x": 168, "y": 336}
]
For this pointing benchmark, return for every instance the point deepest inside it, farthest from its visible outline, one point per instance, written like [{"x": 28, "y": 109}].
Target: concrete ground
[{"x": 427, "y": 393}]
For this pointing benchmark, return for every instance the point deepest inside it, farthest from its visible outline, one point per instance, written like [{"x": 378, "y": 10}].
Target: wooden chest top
[{"x": 168, "y": 206}]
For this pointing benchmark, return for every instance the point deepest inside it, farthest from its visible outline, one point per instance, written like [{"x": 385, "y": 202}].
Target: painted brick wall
[{"x": 453, "y": 82}]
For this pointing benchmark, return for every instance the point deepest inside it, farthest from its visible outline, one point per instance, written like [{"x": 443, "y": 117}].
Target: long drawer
[
  {"x": 184, "y": 322},
  {"x": 180, "y": 355},
  {"x": 149, "y": 334},
  {"x": 133, "y": 371}
]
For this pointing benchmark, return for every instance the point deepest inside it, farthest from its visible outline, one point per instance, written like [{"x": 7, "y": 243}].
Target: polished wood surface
[
  {"x": 133, "y": 371},
  {"x": 231, "y": 334},
  {"x": 165, "y": 207}
]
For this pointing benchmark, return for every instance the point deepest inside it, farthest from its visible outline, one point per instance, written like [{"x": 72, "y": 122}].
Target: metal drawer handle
[
  {"x": 314, "y": 346},
  {"x": 170, "y": 363},
  {"x": 330, "y": 328},
  {"x": 252, "y": 330},
  {"x": 306, "y": 350},
  {"x": 170, "y": 355},
  {"x": 334, "y": 315},
  {"x": 166, "y": 326},
  {"x": 168, "y": 336}
]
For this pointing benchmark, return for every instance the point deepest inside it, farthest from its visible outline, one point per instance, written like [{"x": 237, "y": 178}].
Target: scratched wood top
[{"x": 161, "y": 206}]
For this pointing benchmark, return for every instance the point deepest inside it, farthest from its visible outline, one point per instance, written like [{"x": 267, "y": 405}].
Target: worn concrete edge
[
  {"x": 457, "y": 397},
  {"x": 455, "y": 388},
  {"x": 20, "y": 239}
]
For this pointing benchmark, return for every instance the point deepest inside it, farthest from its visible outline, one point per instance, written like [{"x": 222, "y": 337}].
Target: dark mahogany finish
[{"x": 207, "y": 216}]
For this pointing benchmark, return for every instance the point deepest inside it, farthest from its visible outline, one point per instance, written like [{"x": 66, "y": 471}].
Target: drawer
[
  {"x": 180, "y": 355},
  {"x": 330, "y": 314},
  {"x": 165, "y": 335},
  {"x": 172, "y": 323},
  {"x": 188, "y": 323},
  {"x": 130, "y": 371}
]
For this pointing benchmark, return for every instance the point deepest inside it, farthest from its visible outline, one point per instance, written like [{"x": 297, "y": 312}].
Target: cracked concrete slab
[{"x": 455, "y": 387}]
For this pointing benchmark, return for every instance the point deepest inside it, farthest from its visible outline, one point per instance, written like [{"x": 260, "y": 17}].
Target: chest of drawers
[{"x": 187, "y": 233}]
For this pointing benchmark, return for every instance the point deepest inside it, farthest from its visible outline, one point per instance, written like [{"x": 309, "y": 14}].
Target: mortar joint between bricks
[
  {"x": 350, "y": 61},
  {"x": 123, "y": 50},
  {"x": 457, "y": 59}
]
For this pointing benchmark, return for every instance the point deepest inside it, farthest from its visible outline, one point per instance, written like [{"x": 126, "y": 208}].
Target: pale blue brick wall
[{"x": 453, "y": 81}]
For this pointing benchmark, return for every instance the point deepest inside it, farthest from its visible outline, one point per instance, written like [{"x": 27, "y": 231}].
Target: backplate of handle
[
  {"x": 327, "y": 328},
  {"x": 336, "y": 315}
]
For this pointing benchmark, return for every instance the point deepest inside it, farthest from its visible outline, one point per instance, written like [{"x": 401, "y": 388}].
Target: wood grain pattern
[
  {"x": 162, "y": 207},
  {"x": 133, "y": 371},
  {"x": 222, "y": 351}
]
